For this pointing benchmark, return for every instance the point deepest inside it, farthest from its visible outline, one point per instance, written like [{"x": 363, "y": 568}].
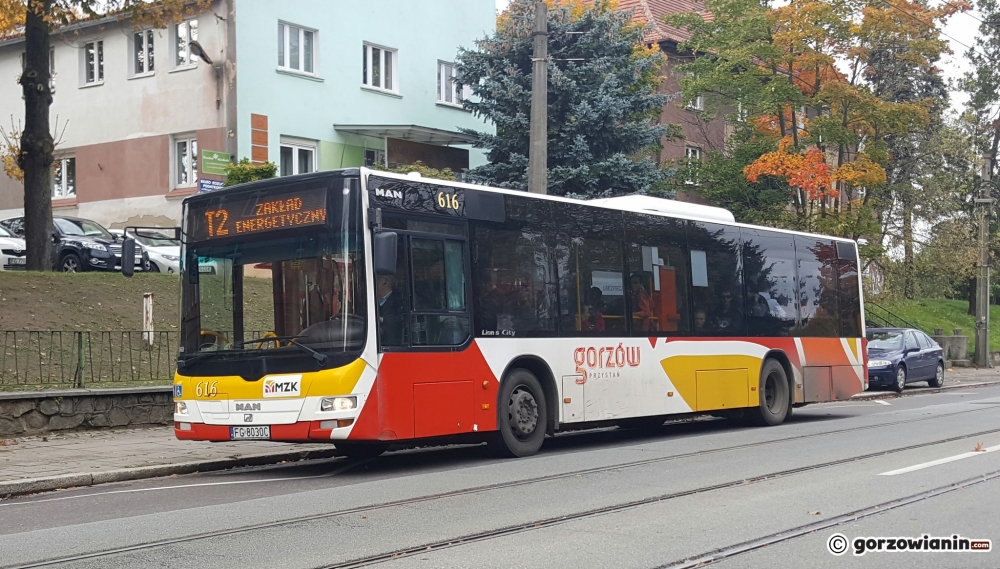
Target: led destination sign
[{"x": 256, "y": 213}]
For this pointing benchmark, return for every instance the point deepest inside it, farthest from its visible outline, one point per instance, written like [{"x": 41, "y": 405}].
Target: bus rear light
[
  {"x": 338, "y": 403},
  {"x": 336, "y": 424}
]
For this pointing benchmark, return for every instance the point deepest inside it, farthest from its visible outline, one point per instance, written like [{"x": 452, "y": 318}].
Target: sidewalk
[
  {"x": 85, "y": 458},
  {"x": 955, "y": 378}
]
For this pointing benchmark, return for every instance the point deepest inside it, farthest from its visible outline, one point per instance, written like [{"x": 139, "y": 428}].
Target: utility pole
[
  {"x": 539, "y": 128},
  {"x": 984, "y": 202}
]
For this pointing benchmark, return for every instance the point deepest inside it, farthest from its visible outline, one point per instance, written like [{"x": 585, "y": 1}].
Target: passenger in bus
[
  {"x": 700, "y": 322},
  {"x": 642, "y": 307},
  {"x": 390, "y": 312},
  {"x": 728, "y": 317},
  {"x": 591, "y": 319}
]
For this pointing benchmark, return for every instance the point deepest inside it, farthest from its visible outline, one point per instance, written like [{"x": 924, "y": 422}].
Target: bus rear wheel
[
  {"x": 352, "y": 449},
  {"x": 521, "y": 415},
  {"x": 774, "y": 395}
]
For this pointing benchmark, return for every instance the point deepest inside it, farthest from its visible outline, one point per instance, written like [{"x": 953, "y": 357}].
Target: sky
[{"x": 962, "y": 29}]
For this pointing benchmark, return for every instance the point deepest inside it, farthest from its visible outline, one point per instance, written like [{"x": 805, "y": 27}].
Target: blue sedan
[{"x": 897, "y": 356}]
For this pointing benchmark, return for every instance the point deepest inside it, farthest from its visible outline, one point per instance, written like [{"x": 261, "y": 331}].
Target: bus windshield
[{"x": 289, "y": 292}]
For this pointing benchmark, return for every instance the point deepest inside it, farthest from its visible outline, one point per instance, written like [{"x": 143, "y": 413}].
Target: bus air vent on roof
[{"x": 671, "y": 207}]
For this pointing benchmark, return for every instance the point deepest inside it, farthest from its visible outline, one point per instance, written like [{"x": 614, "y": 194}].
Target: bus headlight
[
  {"x": 338, "y": 403},
  {"x": 180, "y": 408}
]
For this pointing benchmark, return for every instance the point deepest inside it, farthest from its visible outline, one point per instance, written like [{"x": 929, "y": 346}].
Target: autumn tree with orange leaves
[
  {"x": 801, "y": 80},
  {"x": 32, "y": 153}
]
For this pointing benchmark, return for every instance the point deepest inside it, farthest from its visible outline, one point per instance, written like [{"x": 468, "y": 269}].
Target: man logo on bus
[
  {"x": 274, "y": 388},
  {"x": 391, "y": 194},
  {"x": 608, "y": 357}
]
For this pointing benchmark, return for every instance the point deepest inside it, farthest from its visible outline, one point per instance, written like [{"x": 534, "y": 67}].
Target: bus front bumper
[{"x": 302, "y": 431}]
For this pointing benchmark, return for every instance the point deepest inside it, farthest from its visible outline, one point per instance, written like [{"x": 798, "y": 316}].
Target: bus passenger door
[{"x": 426, "y": 386}]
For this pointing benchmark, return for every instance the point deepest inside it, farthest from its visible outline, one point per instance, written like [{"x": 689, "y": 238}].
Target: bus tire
[
  {"x": 521, "y": 415},
  {"x": 774, "y": 395},
  {"x": 352, "y": 449}
]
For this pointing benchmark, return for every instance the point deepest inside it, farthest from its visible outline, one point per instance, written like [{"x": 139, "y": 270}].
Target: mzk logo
[
  {"x": 600, "y": 363},
  {"x": 281, "y": 387}
]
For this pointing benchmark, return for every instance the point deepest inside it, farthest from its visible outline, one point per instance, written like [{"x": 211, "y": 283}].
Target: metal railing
[
  {"x": 882, "y": 317},
  {"x": 67, "y": 358}
]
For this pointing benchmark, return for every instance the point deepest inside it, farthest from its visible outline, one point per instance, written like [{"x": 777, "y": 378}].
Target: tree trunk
[
  {"x": 36, "y": 141},
  {"x": 908, "y": 250}
]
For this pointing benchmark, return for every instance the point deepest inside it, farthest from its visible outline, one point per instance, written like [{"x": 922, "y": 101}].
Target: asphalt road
[{"x": 703, "y": 493}]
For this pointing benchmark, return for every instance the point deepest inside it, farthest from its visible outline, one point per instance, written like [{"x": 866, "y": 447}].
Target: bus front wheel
[
  {"x": 774, "y": 395},
  {"x": 521, "y": 415}
]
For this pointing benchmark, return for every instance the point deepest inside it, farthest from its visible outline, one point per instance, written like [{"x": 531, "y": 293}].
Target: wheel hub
[{"x": 523, "y": 412}]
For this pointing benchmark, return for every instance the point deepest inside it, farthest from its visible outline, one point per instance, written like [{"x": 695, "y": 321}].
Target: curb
[
  {"x": 866, "y": 395},
  {"x": 63, "y": 481}
]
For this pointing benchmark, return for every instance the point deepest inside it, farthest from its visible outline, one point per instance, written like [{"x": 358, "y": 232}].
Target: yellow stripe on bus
[{"x": 710, "y": 382}]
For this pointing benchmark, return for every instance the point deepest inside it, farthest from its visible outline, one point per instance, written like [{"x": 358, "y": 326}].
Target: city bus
[{"x": 367, "y": 308}]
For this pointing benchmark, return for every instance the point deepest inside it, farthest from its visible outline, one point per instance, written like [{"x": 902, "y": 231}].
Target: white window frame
[
  {"x": 366, "y": 79},
  {"x": 692, "y": 154},
  {"x": 697, "y": 104},
  {"x": 446, "y": 87},
  {"x": 190, "y": 164},
  {"x": 98, "y": 69},
  {"x": 297, "y": 144},
  {"x": 148, "y": 48},
  {"x": 60, "y": 168},
  {"x": 190, "y": 60},
  {"x": 284, "y": 61}
]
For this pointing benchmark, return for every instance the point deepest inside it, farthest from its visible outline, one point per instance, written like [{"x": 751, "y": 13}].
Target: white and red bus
[{"x": 366, "y": 308}]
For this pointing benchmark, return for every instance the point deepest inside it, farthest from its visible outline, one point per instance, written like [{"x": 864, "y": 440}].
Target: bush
[{"x": 246, "y": 171}]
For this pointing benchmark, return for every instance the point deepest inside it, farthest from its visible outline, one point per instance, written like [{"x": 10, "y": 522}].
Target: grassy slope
[
  {"x": 107, "y": 301},
  {"x": 929, "y": 314}
]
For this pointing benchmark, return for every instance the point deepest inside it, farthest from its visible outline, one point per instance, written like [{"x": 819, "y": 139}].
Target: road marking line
[
  {"x": 233, "y": 482},
  {"x": 924, "y": 465},
  {"x": 880, "y": 402}
]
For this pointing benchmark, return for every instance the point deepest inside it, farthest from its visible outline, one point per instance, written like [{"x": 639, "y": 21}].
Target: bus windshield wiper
[{"x": 291, "y": 340}]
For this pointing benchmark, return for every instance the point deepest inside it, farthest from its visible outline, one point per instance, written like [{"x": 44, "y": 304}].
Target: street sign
[
  {"x": 214, "y": 162},
  {"x": 205, "y": 185}
]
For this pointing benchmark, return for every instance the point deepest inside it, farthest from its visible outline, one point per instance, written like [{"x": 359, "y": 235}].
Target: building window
[
  {"x": 693, "y": 156},
  {"x": 64, "y": 178},
  {"x": 185, "y": 33},
  {"x": 448, "y": 90},
  {"x": 296, "y": 48},
  {"x": 142, "y": 52},
  {"x": 185, "y": 161},
  {"x": 697, "y": 104},
  {"x": 379, "y": 68},
  {"x": 52, "y": 67},
  {"x": 373, "y": 157},
  {"x": 297, "y": 158},
  {"x": 93, "y": 62}
]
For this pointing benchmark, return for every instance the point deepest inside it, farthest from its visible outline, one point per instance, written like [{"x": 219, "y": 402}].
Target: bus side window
[
  {"x": 439, "y": 307},
  {"x": 657, "y": 287}
]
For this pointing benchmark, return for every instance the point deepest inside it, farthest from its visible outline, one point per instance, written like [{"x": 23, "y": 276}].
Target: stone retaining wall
[{"x": 39, "y": 412}]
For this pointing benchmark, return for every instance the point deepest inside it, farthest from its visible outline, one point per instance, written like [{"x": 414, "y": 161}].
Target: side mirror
[
  {"x": 128, "y": 257},
  {"x": 384, "y": 253}
]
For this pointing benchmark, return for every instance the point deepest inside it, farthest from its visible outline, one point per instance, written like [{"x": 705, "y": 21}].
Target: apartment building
[
  {"x": 698, "y": 135},
  {"x": 145, "y": 117}
]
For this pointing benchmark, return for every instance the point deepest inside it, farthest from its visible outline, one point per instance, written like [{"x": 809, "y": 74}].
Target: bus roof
[{"x": 635, "y": 203}]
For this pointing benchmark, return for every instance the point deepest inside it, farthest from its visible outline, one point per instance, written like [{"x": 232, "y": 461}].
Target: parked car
[
  {"x": 12, "y": 251},
  {"x": 82, "y": 245},
  {"x": 897, "y": 356},
  {"x": 164, "y": 252}
]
